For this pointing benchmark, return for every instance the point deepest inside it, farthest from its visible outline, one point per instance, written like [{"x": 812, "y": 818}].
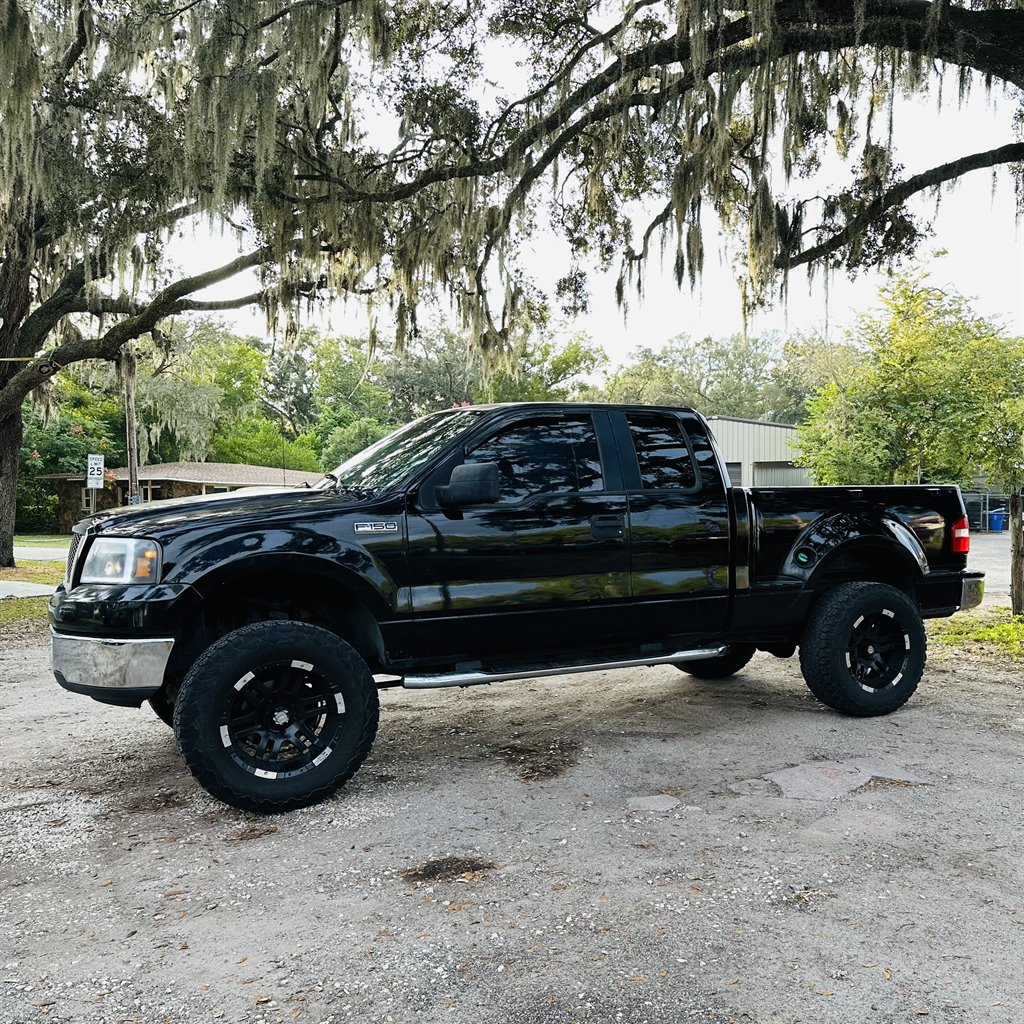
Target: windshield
[{"x": 396, "y": 457}]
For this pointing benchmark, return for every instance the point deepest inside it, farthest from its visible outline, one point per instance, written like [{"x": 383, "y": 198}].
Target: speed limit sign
[{"x": 94, "y": 473}]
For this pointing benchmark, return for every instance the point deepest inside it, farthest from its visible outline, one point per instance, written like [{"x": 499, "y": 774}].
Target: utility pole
[{"x": 128, "y": 368}]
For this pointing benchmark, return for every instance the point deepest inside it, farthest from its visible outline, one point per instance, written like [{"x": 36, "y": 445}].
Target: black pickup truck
[{"x": 488, "y": 543}]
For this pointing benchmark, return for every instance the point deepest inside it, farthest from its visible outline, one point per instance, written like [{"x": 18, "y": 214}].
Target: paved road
[
  {"x": 15, "y": 588},
  {"x": 620, "y": 848},
  {"x": 40, "y": 554},
  {"x": 990, "y": 553}
]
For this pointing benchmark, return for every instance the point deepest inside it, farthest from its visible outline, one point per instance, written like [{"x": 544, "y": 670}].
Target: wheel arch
[
  {"x": 869, "y": 561},
  {"x": 267, "y": 588},
  {"x": 846, "y": 549}
]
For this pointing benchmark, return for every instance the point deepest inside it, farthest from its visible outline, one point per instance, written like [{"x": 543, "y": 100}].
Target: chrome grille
[{"x": 76, "y": 543}]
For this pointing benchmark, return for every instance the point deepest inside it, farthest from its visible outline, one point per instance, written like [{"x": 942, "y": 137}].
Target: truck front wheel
[
  {"x": 275, "y": 716},
  {"x": 863, "y": 649}
]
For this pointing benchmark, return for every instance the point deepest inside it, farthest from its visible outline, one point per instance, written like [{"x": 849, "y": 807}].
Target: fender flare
[{"x": 829, "y": 538}]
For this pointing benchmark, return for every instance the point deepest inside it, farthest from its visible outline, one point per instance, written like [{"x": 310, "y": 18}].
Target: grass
[
  {"x": 22, "y": 611},
  {"x": 41, "y": 540},
  {"x": 993, "y": 630},
  {"x": 34, "y": 572}
]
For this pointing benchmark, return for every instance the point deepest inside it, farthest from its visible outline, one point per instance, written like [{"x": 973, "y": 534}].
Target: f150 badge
[{"x": 378, "y": 527}]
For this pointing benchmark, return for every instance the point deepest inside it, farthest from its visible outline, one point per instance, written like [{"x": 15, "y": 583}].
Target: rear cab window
[{"x": 662, "y": 451}]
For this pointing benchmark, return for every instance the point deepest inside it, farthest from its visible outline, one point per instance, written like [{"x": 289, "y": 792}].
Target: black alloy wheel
[
  {"x": 878, "y": 651},
  {"x": 276, "y": 715},
  {"x": 863, "y": 649},
  {"x": 283, "y": 719}
]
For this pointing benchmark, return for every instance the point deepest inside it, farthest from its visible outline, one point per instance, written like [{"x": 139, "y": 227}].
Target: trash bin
[{"x": 997, "y": 520}]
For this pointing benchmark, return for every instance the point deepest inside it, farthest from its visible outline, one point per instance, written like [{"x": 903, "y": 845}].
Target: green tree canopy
[
  {"x": 938, "y": 398},
  {"x": 912, "y": 409},
  {"x": 759, "y": 378}
]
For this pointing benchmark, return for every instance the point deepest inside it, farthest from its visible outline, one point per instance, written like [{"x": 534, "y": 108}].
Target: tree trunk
[
  {"x": 1017, "y": 552},
  {"x": 15, "y": 297},
  {"x": 10, "y": 452},
  {"x": 128, "y": 376}
]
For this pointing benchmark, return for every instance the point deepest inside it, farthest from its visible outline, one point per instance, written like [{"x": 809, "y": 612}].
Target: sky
[{"x": 976, "y": 227}]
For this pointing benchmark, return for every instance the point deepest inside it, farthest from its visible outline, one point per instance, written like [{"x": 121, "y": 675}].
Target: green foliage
[
  {"x": 805, "y": 365},
  {"x": 750, "y": 377},
  {"x": 345, "y": 387},
  {"x": 990, "y": 629},
  {"x": 721, "y": 378},
  {"x": 436, "y": 371},
  {"x": 192, "y": 385},
  {"x": 258, "y": 442},
  {"x": 358, "y": 398},
  {"x": 998, "y": 363},
  {"x": 88, "y": 422},
  {"x": 541, "y": 371},
  {"x": 344, "y": 442},
  {"x": 933, "y": 399}
]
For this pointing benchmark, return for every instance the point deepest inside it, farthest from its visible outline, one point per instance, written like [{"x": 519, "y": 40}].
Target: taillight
[{"x": 961, "y": 536}]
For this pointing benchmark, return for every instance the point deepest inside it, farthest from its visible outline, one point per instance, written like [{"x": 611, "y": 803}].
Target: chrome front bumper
[
  {"x": 107, "y": 668},
  {"x": 972, "y": 592}
]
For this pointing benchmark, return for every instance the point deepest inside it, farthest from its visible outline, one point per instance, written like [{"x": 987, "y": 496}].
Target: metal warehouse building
[{"x": 757, "y": 453}]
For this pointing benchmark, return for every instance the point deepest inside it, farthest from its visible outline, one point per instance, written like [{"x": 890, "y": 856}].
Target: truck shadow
[{"x": 534, "y": 730}]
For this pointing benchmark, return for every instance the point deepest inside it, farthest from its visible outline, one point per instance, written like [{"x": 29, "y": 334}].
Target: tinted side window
[
  {"x": 661, "y": 451},
  {"x": 544, "y": 457}
]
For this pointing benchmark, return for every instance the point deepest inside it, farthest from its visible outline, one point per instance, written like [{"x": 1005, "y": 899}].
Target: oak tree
[{"x": 390, "y": 148}]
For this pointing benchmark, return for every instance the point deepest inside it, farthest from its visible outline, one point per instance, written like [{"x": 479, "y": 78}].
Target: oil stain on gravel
[
  {"x": 447, "y": 869},
  {"x": 535, "y": 762}
]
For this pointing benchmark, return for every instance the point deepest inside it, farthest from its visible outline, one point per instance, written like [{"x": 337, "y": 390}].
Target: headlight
[{"x": 121, "y": 560}]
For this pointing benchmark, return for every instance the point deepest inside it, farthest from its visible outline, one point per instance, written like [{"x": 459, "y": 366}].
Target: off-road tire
[
  {"x": 162, "y": 707},
  {"x": 287, "y": 665},
  {"x": 724, "y": 665},
  {"x": 837, "y": 637}
]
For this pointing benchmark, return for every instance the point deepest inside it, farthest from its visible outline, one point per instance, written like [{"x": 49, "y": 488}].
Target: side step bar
[{"x": 477, "y": 676}]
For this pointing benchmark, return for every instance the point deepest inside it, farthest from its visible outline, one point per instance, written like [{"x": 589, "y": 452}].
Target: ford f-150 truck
[{"x": 490, "y": 543}]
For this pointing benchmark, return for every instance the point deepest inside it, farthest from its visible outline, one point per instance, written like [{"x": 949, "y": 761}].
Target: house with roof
[{"x": 167, "y": 480}]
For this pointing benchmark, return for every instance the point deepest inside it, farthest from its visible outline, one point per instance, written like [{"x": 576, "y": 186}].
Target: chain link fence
[{"x": 987, "y": 512}]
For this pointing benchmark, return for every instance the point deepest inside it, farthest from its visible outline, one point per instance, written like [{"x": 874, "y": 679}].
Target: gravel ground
[{"x": 624, "y": 847}]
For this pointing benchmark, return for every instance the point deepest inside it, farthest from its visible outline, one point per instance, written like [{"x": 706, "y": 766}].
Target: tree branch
[
  {"x": 76, "y": 49},
  {"x": 899, "y": 194},
  {"x": 67, "y": 297},
  {"x": 214, "y": 305},
  {"x": 165, "y": 303},
  {"x": 980, "y": 40}
]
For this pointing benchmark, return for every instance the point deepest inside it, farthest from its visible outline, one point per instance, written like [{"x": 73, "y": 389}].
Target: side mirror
[{"x": 471, "y": 484}]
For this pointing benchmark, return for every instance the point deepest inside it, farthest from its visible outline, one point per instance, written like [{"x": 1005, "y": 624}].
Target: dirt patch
[
  {"x": 244, "y": 835},
  {"x": 879, "y": 782},
  {"x": 448, "y": 869},
  {"x": 803, "y": 897},
  {"x": 162, "y": 799},
  {"x": 534, "y": 762}
]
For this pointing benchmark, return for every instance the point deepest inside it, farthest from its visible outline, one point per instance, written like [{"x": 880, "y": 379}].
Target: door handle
[{"x": 608, "y": 527}]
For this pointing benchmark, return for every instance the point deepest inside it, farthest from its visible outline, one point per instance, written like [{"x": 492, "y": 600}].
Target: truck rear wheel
[
  {"x": 275, "y": 716},
  {"x": 728, "y": 664},
  {"x": 863, "y": 649}
]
